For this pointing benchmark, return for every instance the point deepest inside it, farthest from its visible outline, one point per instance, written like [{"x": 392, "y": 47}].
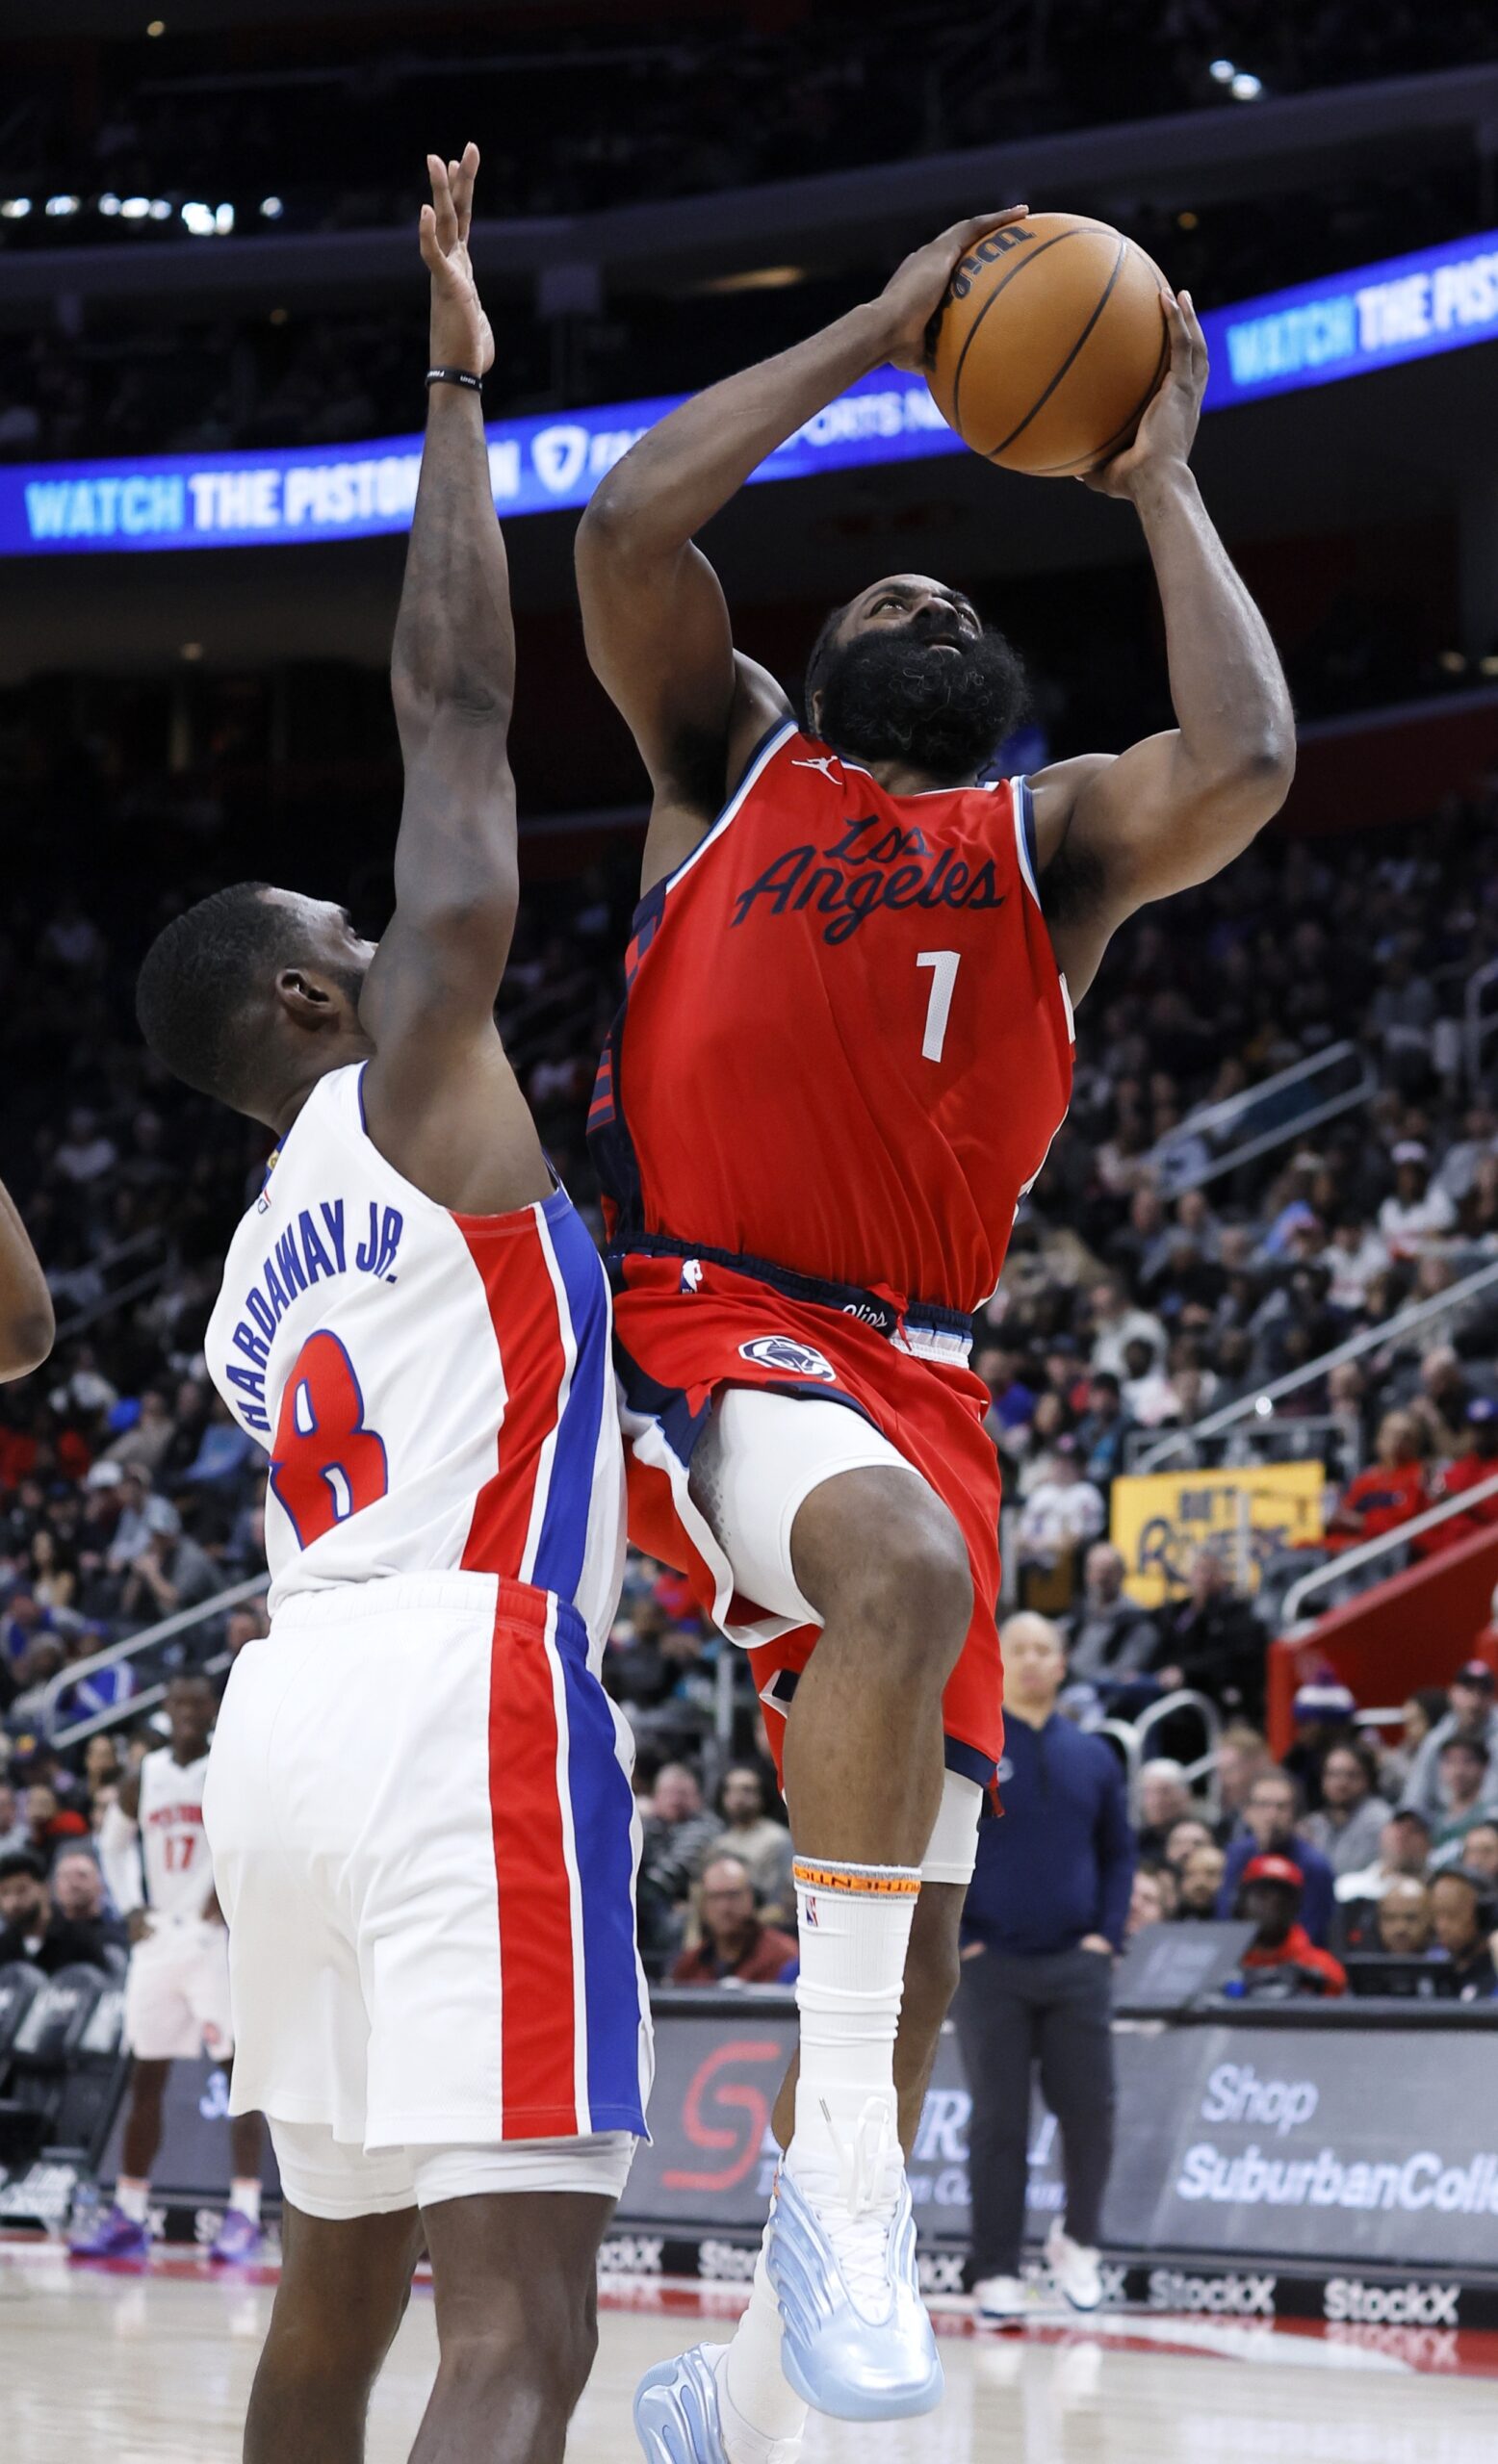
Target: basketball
[{"x": 1050, "y": 345}]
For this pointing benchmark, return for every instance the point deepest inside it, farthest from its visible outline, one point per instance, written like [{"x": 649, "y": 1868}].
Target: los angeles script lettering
[{"x": 851, "y": 880}]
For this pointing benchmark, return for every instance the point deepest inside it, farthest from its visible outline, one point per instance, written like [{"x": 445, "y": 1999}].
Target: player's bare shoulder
[{"x": 706, "y": 766}]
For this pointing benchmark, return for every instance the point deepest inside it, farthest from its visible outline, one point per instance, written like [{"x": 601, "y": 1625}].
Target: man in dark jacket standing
[{"x": 1045, "y": 1915}]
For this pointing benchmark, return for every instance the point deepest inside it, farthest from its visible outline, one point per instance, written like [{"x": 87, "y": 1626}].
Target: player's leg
[
  {"x": 123, "y": 2231},
  {"x": 998, "y": 2030},
  {"x": 1077, "y": 2084},
  {"x": 344, "y": 2283},
  {"x": 516, "y": 2282}
]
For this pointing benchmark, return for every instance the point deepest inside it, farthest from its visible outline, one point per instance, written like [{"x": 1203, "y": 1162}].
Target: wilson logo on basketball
[{"x": 851, "y": 880}]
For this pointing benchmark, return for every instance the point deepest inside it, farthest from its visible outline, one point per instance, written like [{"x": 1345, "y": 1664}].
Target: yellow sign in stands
[{"x": 1160, "y": 1519}]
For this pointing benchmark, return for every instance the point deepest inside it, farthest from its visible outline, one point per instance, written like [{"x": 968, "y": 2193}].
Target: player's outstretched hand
[
  {"x": 461, "y": 336},
  {"x": 1164, "y": 435},
  {"x": 916, "y": 289}
]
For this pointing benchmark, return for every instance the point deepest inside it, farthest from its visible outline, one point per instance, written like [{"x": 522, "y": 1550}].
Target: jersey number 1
[
  {"x": 326, "y": 1465},
  {"x": 943, "y": 966}
]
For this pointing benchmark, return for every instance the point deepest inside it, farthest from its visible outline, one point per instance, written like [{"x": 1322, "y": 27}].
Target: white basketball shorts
[
  {"x": 755, "y": 1465},
  {"x": 425, "y": 1841},
  {"x": 178, "y": 2003}
]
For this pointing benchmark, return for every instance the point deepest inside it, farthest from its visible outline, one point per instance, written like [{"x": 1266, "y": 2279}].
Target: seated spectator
[
  {"x": 15, "y": 1829},
  {"x": 1350, "y": 1821},
  {"x": 1269, "y": 1819},
  {"x": 31, "y": 1928},
  {"x": 1164, "y": 1800},
  {"x": 1477, "y": 1462},
  {"x": 1201, "y": 1879},
  {"x": 1478, "y": 1852},
  {"x": 1391, "y": 1491},
  {"x": 1109, "y": 1637},
  {"x": 1464, "y": 1762},
  {"x": 1103, "y": 1429},
  {"x": 49, "y": 1823},
  {"x": 1281, "y": 1962},
  {"x": 1403, "y": 1853},
  {"x": 1242, "y": 1756},
  {"x": 1116, "y": 1324},
  {"x": 169, "y": 1573},
  {"x": 1060, "y": 1515},
  {"x": 1416, "y": 1212},
  {"x": 736, "y": 1943},
  {"x": 1402, "y": 1927},
  {"x": 1211, "y": 1642},
  {"x": 678, "y": 1838},
  {"x": 1151, "y": 1900},
  {"x": 1473, "y": 1714},
  {"x": 1324, "y": 1712},
  {"x": 762, "y": 1844},
  {"x": 76, "y": 1884},
  {"x": 1190, "y": 1831},
  {"x": 1419, "y": 1714},
  {"x": 1149, "y": 1397},
  {"x": 1461, "y": 1914}
]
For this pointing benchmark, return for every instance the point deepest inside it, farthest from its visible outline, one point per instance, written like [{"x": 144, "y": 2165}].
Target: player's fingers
[
  {"x": 462, "y": 175},
  {"x": 431, "y": 255},
  {"x": 441, "y": 204},
  {"x": 967, "y": 235},
  {"x": 1199, "y": 349}
]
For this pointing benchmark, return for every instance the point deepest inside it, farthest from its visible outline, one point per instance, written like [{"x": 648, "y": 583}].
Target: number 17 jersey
[
  {"x": 434, "y": 1390},
  {"x": 845, "y": 1045}
]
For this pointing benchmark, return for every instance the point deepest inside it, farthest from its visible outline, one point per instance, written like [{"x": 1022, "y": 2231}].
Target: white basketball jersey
[
  {"x": 179, "y": 1874},
  {"x": 435, "y": 1391}
]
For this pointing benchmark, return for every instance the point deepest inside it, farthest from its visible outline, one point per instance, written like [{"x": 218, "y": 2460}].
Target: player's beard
[{"x": 897, "y": 696}]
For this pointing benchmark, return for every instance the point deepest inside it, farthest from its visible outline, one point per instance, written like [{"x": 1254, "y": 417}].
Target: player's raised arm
[
  {"x": 440, "y": 1098},
  {"x": 1115, "y": 832},
  {"x": 654, "y": 615},
  {"x": 26, "y": 1321}
]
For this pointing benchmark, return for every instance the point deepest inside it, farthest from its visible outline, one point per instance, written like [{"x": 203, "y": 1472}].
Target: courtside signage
[{"x": 1406, "y": 308}]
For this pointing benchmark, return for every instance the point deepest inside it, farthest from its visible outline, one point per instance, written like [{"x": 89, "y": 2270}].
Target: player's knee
[
  {"x": 546, "y": 2358},
  {"x": 911, "y": 1590}
]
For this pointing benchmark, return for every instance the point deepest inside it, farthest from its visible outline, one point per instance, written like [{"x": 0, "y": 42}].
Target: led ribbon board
[{"x": 1406, "y": 308}]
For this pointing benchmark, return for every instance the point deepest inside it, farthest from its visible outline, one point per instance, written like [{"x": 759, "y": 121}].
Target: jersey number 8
[{"x": 326, "y": 1465}]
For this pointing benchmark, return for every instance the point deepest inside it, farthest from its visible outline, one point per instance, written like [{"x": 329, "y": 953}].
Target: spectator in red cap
[{"x": 1283, "y": 1960}]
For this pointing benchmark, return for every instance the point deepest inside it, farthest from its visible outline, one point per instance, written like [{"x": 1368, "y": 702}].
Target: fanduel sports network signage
[{"x": 1406, "y": 308}]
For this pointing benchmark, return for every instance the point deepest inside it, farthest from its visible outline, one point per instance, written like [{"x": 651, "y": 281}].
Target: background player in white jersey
[
  {"x": 155, "y": 1855},
  {"x": 418, "y": 1798}
]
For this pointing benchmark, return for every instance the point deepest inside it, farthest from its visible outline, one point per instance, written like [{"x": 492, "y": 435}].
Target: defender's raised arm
[{"x": 441, "y": 1100}]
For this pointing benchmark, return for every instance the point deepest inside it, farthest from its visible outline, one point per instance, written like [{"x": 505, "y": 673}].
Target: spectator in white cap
[{"x": 1415, "y": 1212}]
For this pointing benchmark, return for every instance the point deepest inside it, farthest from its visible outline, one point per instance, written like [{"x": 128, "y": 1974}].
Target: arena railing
[
  {"x": 1419, "y": 1316},
  {"x": 184, "y": 1621},
  {"x": 1374, "y": 1553},
  {"x": 1131, "y": 1735},
  {"x": 1277, "y": 1103},
  {"x": 1253, "y": 1440},
  {"x": 137, "y": 1287},
  {"x": 1479, "y": 1023}
]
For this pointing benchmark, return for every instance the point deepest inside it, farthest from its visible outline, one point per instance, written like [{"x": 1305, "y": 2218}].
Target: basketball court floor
[{"x": 154, "y": 2368}]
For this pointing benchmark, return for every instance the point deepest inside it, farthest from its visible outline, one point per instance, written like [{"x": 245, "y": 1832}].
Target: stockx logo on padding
[{"x": 795, "y": 1360}]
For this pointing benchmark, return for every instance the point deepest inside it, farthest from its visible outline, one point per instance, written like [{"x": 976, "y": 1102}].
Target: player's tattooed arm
[
  {"x": 27, "y": 1325},
  {"x": 440, "y": 1099},
  {"x": 654, "y": 615},
  {"x": 1115, "y": 831}
]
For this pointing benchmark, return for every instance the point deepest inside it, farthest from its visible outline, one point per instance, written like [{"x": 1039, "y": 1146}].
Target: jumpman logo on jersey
[{"x": 825, "y": 763}]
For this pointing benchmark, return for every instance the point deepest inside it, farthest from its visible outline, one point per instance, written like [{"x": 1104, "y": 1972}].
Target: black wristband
[{"x": 454, "y": 376}]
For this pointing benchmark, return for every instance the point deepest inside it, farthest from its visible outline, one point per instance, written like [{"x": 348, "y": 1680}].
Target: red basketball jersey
[{"x": 845, "y": 1046}]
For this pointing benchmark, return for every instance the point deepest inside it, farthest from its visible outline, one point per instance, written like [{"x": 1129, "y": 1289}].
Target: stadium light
[
  {"x": 160, "y": 209},
  {"x": 63, "y": 204},
  {"x": 15, "y": 208},
  {"x": 1223, "y": 71},
  {"x": 108, "y": 202},
  {"x": 157, "y": 26},
  {"x": 271, "y": 208},
  {"x": 224, "y": 219},
  {"x": 199, "y": 218},
  {"x": 135, "y": 208},
  {"x": 1246, "y": 88}
]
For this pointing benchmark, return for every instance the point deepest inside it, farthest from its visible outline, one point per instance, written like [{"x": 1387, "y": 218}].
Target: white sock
[
  {"x": 131, "y": 2196},
  {"x": 855, "y": 1924},
  {"x": 760, "y": 2408},
  {"x": 245, "y": 2200}
]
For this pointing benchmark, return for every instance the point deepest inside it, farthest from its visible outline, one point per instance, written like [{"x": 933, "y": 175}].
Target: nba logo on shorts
[{"x": 796, "y": 1360}]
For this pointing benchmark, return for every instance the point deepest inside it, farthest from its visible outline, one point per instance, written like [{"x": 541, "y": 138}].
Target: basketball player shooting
[
  {"x": 27, "y": 1325},
  {"x": 845, "y": 1049},
  {"x": 418, "y": 1798}
]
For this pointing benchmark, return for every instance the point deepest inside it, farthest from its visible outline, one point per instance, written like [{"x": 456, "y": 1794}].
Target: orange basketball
[{"x": 1050, "y": 345}]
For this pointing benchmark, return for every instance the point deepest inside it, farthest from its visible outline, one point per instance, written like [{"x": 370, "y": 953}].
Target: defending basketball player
[
  {"x": 845, "y": 1049},
  {"x": 27, "y": 1325},
  {"x": 417, "y": 1799}
]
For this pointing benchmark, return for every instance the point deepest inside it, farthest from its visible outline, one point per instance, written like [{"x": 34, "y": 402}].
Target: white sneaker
[
  {"x": 1075, "y": 2269},
  {"x": 1002, "y": 2300}
]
